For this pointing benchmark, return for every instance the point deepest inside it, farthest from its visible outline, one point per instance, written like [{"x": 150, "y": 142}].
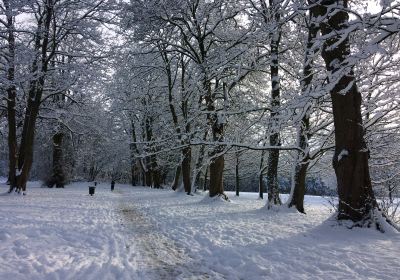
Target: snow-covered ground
[{"x": 142, "y": 233}]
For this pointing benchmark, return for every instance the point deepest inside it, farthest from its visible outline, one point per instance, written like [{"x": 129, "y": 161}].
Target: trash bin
[{"x": 91, "y": 190}]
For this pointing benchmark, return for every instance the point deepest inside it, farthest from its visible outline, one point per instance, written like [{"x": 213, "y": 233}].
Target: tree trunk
[
  {"x": 143, "y": 177},
  {"x": 272, "y": 178},
  {"x": 153, "y": 175},
  {"x": 216, "y": 176},
  {"x": 132, "y": 159},
  {"x": 350, "y": 161},
  {"x": 136, "y": 174},
  {"x": 176, "y": 177},
  {"x": 157, "y": 179},
  {"x": 199, "y": 162},
  {"x": 186, "y": 152},
  {"x": 205, "y": 180},
  {"x": 274, "y": 138},
  {"x": 36, "y": 87},
  {"x": 148, "y": 174},
  {"x": 237, "y": 175},
  {"x": 187, "y": 156},
  {"x": 217, "y": 161},
  {"x": 296, "y": 198},
  {"x": 57, "y": 177},
  {"x": 133, "y": 174},
  {"x": 11, "y": 101},
  {"x": 261, "y": 187}
]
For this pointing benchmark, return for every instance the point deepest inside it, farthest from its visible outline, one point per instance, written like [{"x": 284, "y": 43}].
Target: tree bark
[
  {"x": 216, "y": 176},
  {"x": 136, "y": 174},
  {"x": 297, "y": 199},
  {"x": 205, "y": 179},
  {"x": 299, "y": 185},
  {"x": 153, "y": 174},
  {"x": 200, "y": 160},
  {"x": 11, "y": 99},
  {"x": 187, "y": 151},
  {"x": 237, "y": 175},
  {"x": 187, "y": 156},
  {"x": 217, "y": 162},
  {"x": 148, "y": 178},
  {"x": 350, "y": 161},
  {"x": 261, "y": 187},
  {"x": 58, "y": 177},
  {"x": 274, "y": 138},
  {"x": 36, "y": 87},
  {"x": 176, "y": 177}
]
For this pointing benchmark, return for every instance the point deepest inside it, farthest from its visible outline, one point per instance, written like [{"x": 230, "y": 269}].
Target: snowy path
[
  {"x": 142, "y": 233},
  {"x": 155, "y": 255}
]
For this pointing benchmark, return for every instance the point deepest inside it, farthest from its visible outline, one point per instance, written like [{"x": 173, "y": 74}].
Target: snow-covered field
[{"x": 142, "y": 233}]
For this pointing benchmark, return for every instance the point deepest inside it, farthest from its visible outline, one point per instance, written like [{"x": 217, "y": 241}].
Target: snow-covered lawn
[{"x": 142, "y": 233}]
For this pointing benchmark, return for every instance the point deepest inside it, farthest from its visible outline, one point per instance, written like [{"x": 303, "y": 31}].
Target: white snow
[
  {"x": 342, "y": 154},
  {"x": 142, "y": 233}
]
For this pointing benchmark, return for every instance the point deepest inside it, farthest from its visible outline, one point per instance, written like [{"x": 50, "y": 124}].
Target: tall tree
[
  {"x": 274, "y": 138},
  {"x": 296, "y": 198},
  {"x": 11, "y": 93},
  {"x": 356, "y": 197}
]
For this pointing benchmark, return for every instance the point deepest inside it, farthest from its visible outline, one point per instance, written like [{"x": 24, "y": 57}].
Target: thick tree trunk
[
  {"x": 356, "y": 197},
  {"x": 25, "y": 158},
  {"x": 217, "y": 128},
  {"x": 216, "y": 176},
  {"x": 217, "y": 163},
  {"x": 274, "y": 138},
  {"x": 272, "y": 177},
  {"x": 297, "y": 198}
]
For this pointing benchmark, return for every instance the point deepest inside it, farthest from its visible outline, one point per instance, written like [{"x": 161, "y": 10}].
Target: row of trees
[
  {"x": 196, "y": 88},
  {"x": 211, "y": 78},
  {"x": 49, "y": 50}
]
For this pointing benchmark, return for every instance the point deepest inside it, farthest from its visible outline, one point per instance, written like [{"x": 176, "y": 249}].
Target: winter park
[{"x": 199, "y": 139}]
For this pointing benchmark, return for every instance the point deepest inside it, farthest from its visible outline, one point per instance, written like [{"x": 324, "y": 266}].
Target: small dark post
[
  {"x": 112, "y": 185},
  {"x": 95, "y": 184},
  {"x": 91, "y": 190}
]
